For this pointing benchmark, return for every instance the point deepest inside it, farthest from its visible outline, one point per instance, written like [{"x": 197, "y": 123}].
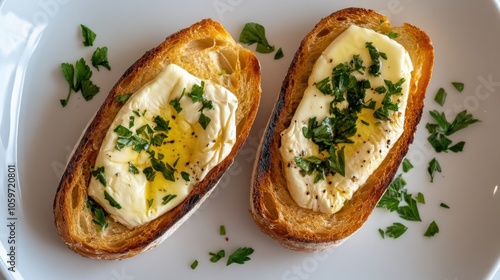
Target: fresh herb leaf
[
  {"x": 168, "y": 198},
  {"x": 461, "y": 121},
  {"x": 132, "y": 169},
  {"x": 240, "y": 256},
  {"x": 279, "y": 54},
  {"x": 222, "y": 230},
  {"x": 407, "y": 166},
  {"x": 100, "y": 58},
  {"x": 131, "y": 121},
  {"x": 382, "y": 234},
  {"x": 222, "y": 72},
  {"x": 82, "y": 73},
  {"x": 122, "y": 131},
  {"x": 88, "y": 36},
  {"x": 432, "y": 229},
  {"x": 185, "y": 176},
  {"x": 444, "y": 205},
  {"x": 442, "y": 128},
  {"x": 392, "y": 35},
  {"x": 255, "y": 33},
  {"x": 166, "y": 170},
  {"x": 196, "y": 93},
  {"x": 365, "y": 123},
  {"x": 420, "y": 198},
  {"x": 158, "y": 139},
  {"x": 393, "y": 195},
  {"x": 161, "y": 124},
  {"x": 99, "y": 174},
  {"x": 458, "y": 86},
  {"x": 204, "y": 121},
  {"x": 89, "y": 90},
  {"x": 176, "y": 103},
  {"x": 410, "y": 211},
  {"x": 111, "y": 200},
  {"x": 396, "y": 230},
  {"x": 458, "y": 147},
  {"x": 150, "y": 173},
  {"x": 150, "y": 202},
  {"x": 215, "y": 257},
  {"x": 194, "y": 264},
  {"x": 68, "y": 72},
  {"x": 433, "y": 168},
  {"x": 440, "y": 97},
  {"x": 98, "y": 213},
  {"x": 375, "y": 55},
  {"x": 123, "y": 98}
]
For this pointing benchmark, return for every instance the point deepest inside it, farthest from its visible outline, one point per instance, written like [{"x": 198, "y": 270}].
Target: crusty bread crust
[
  {"x": 204, "y": 49},
  {"x": 272, "y": 207}
]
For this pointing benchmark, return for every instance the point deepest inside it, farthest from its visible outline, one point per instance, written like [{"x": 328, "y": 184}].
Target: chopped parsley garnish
[
  {"x": 150, "y": 173},
  {"x": 132, "y": 169},
  {"x": 176, "y": 102},
  {"x": 100, "y": 58},
  {"x": 382, "y": 233},
  {"x": 396, "y": 230},
  {"x": 88, "y": 36},
  {"x": 82, "y": 73},
  {"x": 393, "y": 195},
  {"x": 166, "y": 170},
  {"x": 440, "y": 97},
  {"x": 111, "y": 200},
  {"x": 222, "y": 230},
  {"x": 150, "y": 202},
  {"x": 168, "y": 198},
  {"x": 392, "y": 35},
  {"x": 185, "y": 176},
  {"x": 375, "y": 55},
  {"x": 161, "y": 124},
  {"x": 458, "y": 86},
  {"x": 433, "y": 168},
  {"x": 432, "y": 229},
  {"x": 194, "y": 264},
  {"x": 407, "y": 166},
  {"x": 158, "y": 139},
  {"x": 382, "y": 113},
  {"x": 196, "y": 95},
  {"x": 420, "y": 198},
  {"x": 240, "y": 256},
  {"x": 99, "y": 174},
  {"x": 255, "y": 33},
  {"x": 442, "y": 128},
  {"x": 68, "y": 72},
  {"x": 98, "y": 213},
  {"x": 410, "y": 211},
  {"x": 131, "y": 121},
  {"x": 123, "y": 98},
  {"x": 215, "y": 257},
  {"x": 444, "y": 205},
  {"x": 279, "y": 54}
]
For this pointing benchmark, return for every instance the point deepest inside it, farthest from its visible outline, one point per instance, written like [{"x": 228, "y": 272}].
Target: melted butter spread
[
  {"x": 182, "y": 159},
  {"x": 374, "y": 137}
]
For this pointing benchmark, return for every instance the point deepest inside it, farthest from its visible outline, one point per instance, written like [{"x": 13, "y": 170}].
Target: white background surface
[{"x": 36, "y": 36}]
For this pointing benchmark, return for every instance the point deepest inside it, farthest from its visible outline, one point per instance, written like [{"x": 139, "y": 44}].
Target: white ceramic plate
[{"x": 37, "y": 135}]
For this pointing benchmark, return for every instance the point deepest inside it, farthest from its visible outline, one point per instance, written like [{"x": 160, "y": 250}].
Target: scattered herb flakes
[
  {"x": 168, "y": 198},
  {"x": 194, "y": 264},
  {"x": 392, "y": 35},
  {"x": 111, "y": 200},
  {"x": 458, "y": 86},
  {"x": 440, "y": 97},
  {"x": 100, "y": 58},
  {"x": 123, "y": 98},
  {"x": 240, "y": 256},
  {"x": 98, "y": 213},
  {"x": 433, "y": 168},
  {"x": 409, "y": 212},
  {"x": 255, "y": 33},
  {"x": 432, "y": 229},
  {"x": 89, "y": 90},
  {"x": 88, "y": 36},
  {"x": 99, "y": 175},
  {"x": 132, "y": 169},
  {"x": 382, "y": 233},
  {"x": 279, "y": 54},
  {"x": 396, "y": 230},
  {"x": 444, "y": 205},
  {"x": 407, "y": 166},
  {"x": 393, "y": 195},
  {"x": 222, "y": 230},
  {"x": 185, "y": 176},
  {"x": 420, "y": 198},
  {"x": 215, "y": 257}
]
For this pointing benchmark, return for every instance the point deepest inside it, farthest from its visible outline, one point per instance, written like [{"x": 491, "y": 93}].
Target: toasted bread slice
[
  {"x": 272, "y": 206},
  {"x": 204, "y": 49}
]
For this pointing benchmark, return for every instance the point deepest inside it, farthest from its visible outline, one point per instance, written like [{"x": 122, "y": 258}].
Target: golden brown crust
[
  {"x": 272, "y": 207},
  {"x": 203, "y": 49}
]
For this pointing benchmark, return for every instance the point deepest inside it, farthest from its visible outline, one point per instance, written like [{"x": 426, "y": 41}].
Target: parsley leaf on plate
[
  {"x": 432, "y": 229},
  {"x": 240, "y": 256},
  {"x": 88, "y": 36},
  {"x": 255, "y": 33},
  {"x": 100, "y": 58}
]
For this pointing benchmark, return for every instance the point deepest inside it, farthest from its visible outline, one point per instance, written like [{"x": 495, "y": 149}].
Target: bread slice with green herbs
[
  {"x": 272, "y": 206},
  {"x": 205, "y": 50}
]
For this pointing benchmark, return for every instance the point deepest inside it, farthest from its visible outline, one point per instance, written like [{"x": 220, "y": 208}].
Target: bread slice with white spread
[{"x": 309, "y": 192}]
